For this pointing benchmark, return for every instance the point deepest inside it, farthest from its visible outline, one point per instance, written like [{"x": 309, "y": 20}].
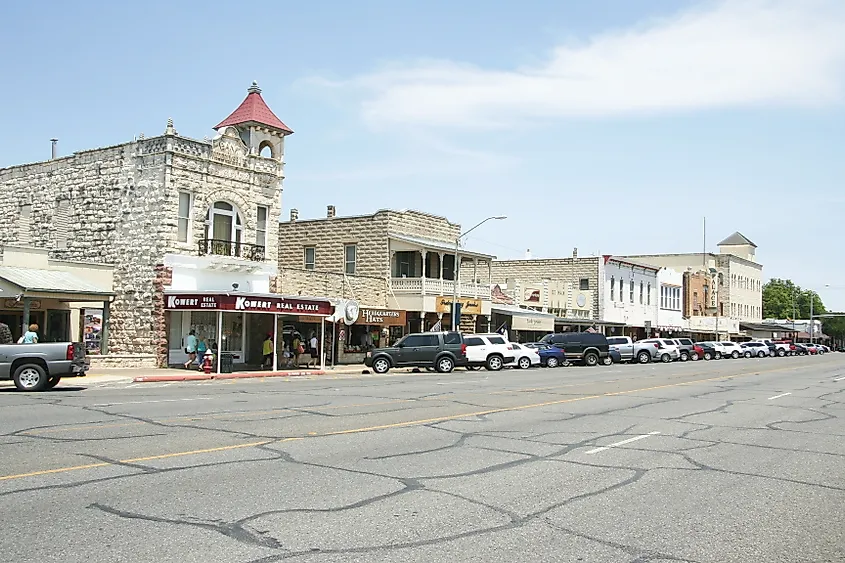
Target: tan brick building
[{"x": 399, "y": 261}]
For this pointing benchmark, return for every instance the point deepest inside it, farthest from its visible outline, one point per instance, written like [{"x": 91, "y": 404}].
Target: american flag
[{"x": 437, "y": 327}]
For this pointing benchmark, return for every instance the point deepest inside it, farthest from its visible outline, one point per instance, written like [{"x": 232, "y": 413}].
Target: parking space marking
[
  {"x": 157, "y": 401},
  {"x": 778, "y": 396},
  {"x": 623, "y": 442},
  {"x": 839, "y": 378}
]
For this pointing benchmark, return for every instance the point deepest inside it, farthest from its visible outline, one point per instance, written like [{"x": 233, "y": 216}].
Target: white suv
[{"x": 492, "y": 351}]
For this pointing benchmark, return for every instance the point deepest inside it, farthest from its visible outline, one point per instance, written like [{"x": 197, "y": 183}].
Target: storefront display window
[
  {"x": 58, "y": 326},
  {"x": 233, "y": 332},
  {"x": 92, "y": 327},
  {"x": 205, "y": 325}
]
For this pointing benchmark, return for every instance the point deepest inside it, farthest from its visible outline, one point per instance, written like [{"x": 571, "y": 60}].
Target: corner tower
[{"x": 257, "y": 126}]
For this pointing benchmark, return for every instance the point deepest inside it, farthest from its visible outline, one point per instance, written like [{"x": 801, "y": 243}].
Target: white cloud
[{"x": 725, "y": 54}]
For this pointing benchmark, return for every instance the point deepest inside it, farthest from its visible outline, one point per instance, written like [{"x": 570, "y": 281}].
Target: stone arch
[{"x": 267, "y": 149}]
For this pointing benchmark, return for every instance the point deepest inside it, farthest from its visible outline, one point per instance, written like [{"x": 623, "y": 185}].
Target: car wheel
[
  {"x": 524, "y": 363},
  {"x": 665, "y": 358},
  {"x": 694, "y": 356},
  {"x": 761, "y": 354},
  {"x": 684, "y": 356},
  {"x": 644, "y": 357},
  {"x": 53, "y": 381},
  {"x": 607, "y": 361},
  {"x": 552, "y": 362},
  {"x": 781, "y": 352},
  {"x": 31, "y": 377},
  {"x": 734, "y": 354},
  {"x": 708, "y": 356},
  {"x": 748, "y": 354},
  {"x": 446, "y": 365},
  {"x": 591, "y": 359},
  {"x": 381, "y": 365},
  {"x": 718, "y": 355},
  {"x": 495, "y": 363}
]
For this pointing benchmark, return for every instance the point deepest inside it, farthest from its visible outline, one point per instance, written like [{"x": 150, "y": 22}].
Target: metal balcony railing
[{"x": 231, "y": 248}]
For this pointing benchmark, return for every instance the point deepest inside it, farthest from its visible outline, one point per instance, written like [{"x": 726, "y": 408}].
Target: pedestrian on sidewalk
[
  {"x": 312, "y": 348},
  {"x": 202, "y": 347},
  {"x": 191, "y": 348},
  {"x": 296, "y": 348},
  {"x": 267, "y": 350},
  {"x": 5, "y": 334}
]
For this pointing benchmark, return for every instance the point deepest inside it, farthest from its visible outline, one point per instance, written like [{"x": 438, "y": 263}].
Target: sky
[{"x": 611, "y": 126}]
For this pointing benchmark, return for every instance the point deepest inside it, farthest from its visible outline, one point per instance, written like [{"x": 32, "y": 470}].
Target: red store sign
[{"x": 248, "y": 303}]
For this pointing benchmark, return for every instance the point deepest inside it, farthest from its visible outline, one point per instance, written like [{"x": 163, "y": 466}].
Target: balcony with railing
[
  {"x": 232, "y": 249},
  {"x": 427, "y": 286}
]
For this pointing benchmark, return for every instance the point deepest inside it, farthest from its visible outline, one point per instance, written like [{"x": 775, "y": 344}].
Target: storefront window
[
  {"x": 233, "y": 332},
  {"x": 92, "y": 326},
  {"x": 205, "y": 325},
  {"x": 58, "y": 326}
]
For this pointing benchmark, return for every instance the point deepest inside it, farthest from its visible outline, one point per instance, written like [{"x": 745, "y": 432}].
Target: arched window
[
  {"x": 266, "y": 149},
  {"x": 224, "y": 223}
]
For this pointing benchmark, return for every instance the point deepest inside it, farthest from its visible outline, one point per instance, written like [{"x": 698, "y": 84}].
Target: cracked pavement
[{"x": 734, "y": 461}]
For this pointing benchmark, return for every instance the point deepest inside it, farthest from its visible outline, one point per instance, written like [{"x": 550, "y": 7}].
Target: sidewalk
[{"x": 167, "y": 374}]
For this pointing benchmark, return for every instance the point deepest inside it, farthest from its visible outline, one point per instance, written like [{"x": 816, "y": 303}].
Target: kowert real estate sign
[{"x": 247, "y": 303}]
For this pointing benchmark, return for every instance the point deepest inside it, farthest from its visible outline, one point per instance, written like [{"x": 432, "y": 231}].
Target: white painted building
[
  {"x": 629, "y": 294},
  {"x": 670, "y": 301}
]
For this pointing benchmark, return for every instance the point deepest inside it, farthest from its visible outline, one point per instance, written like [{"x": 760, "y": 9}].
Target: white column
[
  {"x": 323, "y": 345},
  {"x": 219, "y": 338},
  {"x": 424, "y": 254},
  {"x": 275, "y": 343}
]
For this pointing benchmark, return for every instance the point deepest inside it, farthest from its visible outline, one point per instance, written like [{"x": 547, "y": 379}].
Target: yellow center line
[{"x": 385, "y": 426}]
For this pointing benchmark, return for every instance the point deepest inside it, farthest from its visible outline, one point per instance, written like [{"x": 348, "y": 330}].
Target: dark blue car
[{"x": 550, "y": 356}]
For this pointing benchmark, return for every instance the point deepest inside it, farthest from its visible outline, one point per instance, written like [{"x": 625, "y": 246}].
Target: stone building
[
  {"x": 736, "y": 289},
  {"x": 569, "y": 288},
  {"x": 396, "y": 264},
  {"x": 192, "y": 220}
]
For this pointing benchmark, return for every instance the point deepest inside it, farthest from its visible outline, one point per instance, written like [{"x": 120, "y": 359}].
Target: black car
[
  {"x": 710, "y": 352},
  {"x": 442, "y": 351},
  {"x": 589, "y": 348}
]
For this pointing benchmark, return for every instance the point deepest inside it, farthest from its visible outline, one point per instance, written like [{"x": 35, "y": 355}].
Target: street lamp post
[{"x": 457, "y": 268}]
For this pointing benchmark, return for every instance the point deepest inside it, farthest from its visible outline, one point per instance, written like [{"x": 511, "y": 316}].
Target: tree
[
  {"x": 834, "y": 327},
  {"x": 782, "y": 299}
]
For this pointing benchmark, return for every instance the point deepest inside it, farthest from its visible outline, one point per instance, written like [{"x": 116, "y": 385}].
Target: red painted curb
[{"x": 186, "y": 377}]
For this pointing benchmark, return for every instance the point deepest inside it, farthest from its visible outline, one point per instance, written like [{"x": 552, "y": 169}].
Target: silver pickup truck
[
  {"x": 631, "y": 351},
  {"x": 36, "y": 367}
]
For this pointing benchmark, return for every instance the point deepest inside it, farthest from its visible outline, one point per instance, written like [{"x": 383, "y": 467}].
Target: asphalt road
[{"x": 736, "y": 460}]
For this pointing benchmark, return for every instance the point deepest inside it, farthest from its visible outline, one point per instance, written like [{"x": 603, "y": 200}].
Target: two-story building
[
  {"x": 189, "y": 227},
  {"x": 400, "y": 266},
  {"x": 630, "y": 295},
  {"x": 670, "y": 303}
]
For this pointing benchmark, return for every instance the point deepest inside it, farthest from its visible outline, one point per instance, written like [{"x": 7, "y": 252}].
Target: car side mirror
[{"x": 400, "y": 345}]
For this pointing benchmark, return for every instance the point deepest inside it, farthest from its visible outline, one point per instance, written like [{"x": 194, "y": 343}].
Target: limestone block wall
[
  {"x": 329, "y": 236},
  {"x": 419, "y": 224},
  {"x": 368, "y": 291}
]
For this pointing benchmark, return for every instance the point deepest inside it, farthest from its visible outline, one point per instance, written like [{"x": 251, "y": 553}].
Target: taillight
[
  {"x": 463, "y": 349},
  {"x": 70, "y": 352},
  {"x": 656, "y": 345},
  {"x": 510, "y": 347}
]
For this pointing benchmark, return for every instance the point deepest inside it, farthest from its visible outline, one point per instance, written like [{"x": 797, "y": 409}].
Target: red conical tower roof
[{"x": 254, "y": 110}]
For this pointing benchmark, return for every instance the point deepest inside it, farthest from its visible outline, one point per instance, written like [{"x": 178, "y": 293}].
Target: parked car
[
  {"x": 551, "y": 356},
  {"x": 812, "y": 349},
  {"x": 36, "y": 367},
  {"x": 668, "y": 351},
  {"x": 686, "y": 347},
  {"x": 823, "y": 349},
  {"x": 588, "y": 348},
  {"x": 699, "y": 352},
  {"x": 524, "y": 357},
  {"x": 732, "y": 349},
  {"x": 785, "y": 349},
  {"x": 634, "y": 351},
  {"x": 491, "y": 351},
  {"x": 709, "y": 351},
  {"x": 442, "y": 351},
  {"x": 718, "y": 346},
  {"x": 613, "y": 357},
  {"x": 756, "y": 349},
  {"x": 800, "y": 350}
]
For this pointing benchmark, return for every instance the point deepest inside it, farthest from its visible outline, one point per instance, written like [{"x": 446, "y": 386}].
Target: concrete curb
[{"x": 207, "y": 377}]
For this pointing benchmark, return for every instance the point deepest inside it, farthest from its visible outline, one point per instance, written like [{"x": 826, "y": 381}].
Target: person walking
[
  {"x": 312, "y": 349},
  {"x": 296, "y": 348},
  {"x": 191, "y": 348},
  {"x": 267, "y": 350},
  {"x": 5, "y": 334},
  {"x": 202, "y": 348},
  {"x": 31, "y": 336}
]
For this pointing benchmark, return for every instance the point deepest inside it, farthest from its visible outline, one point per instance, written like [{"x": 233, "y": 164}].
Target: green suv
[{"x": 442, "y": 351}]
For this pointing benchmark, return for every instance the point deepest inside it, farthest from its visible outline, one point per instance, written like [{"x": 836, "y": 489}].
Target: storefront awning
[
  {"x": 247, "y": 302},
  {"x": 526, "y": 319},
  {"x": 49, "y": 284}
]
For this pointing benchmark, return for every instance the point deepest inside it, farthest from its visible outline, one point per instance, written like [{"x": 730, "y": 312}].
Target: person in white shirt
[{"x": 313, "y": 350}]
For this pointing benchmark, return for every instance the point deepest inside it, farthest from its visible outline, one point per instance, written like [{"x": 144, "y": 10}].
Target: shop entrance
[{"x": 15, "y": 322}]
